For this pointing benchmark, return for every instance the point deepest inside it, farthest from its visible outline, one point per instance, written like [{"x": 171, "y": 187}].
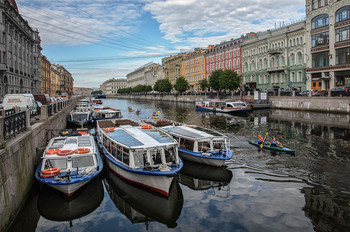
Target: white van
[{"x": 23, "y": 101}]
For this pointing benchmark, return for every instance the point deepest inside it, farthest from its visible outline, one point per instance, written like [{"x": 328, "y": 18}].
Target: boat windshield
[
  {"x": 170, "y": 155},
  {"x": 78, "y": 117},
  {"x": 56, "y": 163},
  {"x": 219, "y": 144},
  {"x": 203, "y": 146},
  {"x": 82, "y": 162}
]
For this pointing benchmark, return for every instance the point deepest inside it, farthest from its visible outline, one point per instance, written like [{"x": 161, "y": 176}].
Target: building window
[
  {"x": 313, "y": 4},
  {"x": 319, "y": 3},
  {"x": 320, "y": 21},
  {"x": 342, "y": 14},
  {"x": 342, "y": 56},
  {"x": 300, "y": 58},
  {"x": 292, "y": 59},
  {"x": 320, "y": 39},
  {"x": 326, "y": 2},
  {"x": 320, "y": 59},
  {"x": 342, "y": 34}
]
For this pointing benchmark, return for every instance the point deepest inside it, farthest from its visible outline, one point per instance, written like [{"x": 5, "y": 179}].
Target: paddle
[{"x": 262, "y": 144}]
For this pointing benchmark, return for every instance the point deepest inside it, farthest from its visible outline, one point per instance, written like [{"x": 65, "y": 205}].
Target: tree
[
  {"x": 148, "y": 88},
  {"x": 181, "y": 84},
  {"x": 204, "y": 84},
  {"x": 96, "y": 92},
  {"x": 163, "y": 85},
  {"x": 229, "y": 80},
  {"x": 214, "y": 79}
]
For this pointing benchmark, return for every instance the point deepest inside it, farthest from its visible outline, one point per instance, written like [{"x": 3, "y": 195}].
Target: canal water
[{"x": 257, "y": 191}]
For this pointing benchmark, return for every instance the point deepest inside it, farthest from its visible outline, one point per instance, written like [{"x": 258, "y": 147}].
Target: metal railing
[{"x": 14, "y": 124}]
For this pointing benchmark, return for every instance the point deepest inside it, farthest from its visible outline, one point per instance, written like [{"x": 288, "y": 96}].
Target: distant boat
[
  {"x": 105, "y": 113},
  {"x": 137, "y": 112},
  {"x": 130, "y": 109},
  {"x": 68, "y": 163},
  {"x": 223, "y": 106},
  {"x": 198, "y": 144},
  {"x": 78, "y": 117},
  {"x": 139, "y": 153},
  {"x": 96, "y": 101}
]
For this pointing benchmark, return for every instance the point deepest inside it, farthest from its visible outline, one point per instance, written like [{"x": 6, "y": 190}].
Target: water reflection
[
  {"x": 140, "y": 205},
  {"x": 328, "y": 211},
  {"x": 204, "y": 177},
  {"x": 54, "y": 206}
]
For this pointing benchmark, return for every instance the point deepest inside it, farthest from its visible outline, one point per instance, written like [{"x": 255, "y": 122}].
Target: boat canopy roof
[
  {"x": 136, "y": 137},
  {"x": 194, "y": 133}
]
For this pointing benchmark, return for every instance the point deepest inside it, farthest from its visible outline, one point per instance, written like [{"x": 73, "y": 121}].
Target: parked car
[
  {"x": 340, "y": 91},
  {"x": 43, "y": 98},
  {"x": 312, "y": 92},
  {"x": 23, "y": 101},
  {"x": 286, "y": 92}
]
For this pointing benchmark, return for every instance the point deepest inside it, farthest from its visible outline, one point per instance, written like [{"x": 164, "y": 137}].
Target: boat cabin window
[
  {"x": 79, "y": 117},
  {"x": 56, "y": 163},
  {"x": 170, "y": 155},
  {"x": 219, "y": 144},
  {"x": 122, "y": 154},
  {"x": 82, "y": 162},
  {"x": 187, "y": 144},
  {"x": 140, "y": 158},
  {"x": 156, "y": 157},
  {"x": 203, "y": 146}
]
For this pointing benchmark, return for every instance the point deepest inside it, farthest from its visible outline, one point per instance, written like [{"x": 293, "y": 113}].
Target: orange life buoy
[
  {"x": 49, "y": 172},
  {"x": 65, "y": 152},
  {"x": 113, "y": 109},
  {"x": 97, "y": 110},
  {"x": 82, "y": 133},
  {"x": 109, "y": 129},
  {"x": 52, "y": 151},
  {"x": 146, "y": 126},
  {"x": 82, "y": 150}
]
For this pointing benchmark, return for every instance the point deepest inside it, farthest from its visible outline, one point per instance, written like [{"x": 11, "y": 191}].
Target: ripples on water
[{"x": 257, "y": 191}]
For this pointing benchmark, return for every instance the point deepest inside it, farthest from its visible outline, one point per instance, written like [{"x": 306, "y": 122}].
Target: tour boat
[
  {"x": 130, "y": 109},
  {"x": 96, "y": 101},
  {"x": 79, "y": 118},
  {"x": 83, "y": 106},
  {"x": 140, "y": 205},
  {"x": 137, "y": 112},
  {"x": 54, "y": 206},
  {"x": 106, "y": 113},
  {"x": 140, "y": 154},
  {"x": 198, "y": 144},
  {"x": 223, "y": 106},
  {"x": 69, "y": 162}
]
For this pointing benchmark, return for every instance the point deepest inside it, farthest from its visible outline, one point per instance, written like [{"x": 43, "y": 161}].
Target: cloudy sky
[{"x": 96, "y": 40}]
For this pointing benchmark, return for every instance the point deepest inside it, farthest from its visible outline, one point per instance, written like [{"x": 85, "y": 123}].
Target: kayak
[{"x": 274, "y": 148}]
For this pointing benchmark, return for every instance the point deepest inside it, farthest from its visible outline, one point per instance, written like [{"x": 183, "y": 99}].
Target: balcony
[
  {"x": 275, "y": 51},
  {"x": 277, "y": 68},
  {"x": 3, "y": 67}
]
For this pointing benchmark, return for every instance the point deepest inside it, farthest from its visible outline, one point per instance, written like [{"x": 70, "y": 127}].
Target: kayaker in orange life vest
[
  {"x": 260, "y": 139},
  {"x": 274, "y": 142}
]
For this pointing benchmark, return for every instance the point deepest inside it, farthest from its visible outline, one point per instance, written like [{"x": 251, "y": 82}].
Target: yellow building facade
[
  {"x": 172, "y": 67},
  {"x": 193, "y": 68}
]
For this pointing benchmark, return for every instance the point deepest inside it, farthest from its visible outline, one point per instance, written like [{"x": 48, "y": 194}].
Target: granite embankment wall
[
  {"x": 20, "y": 158},
  {"x": 317, "y": 104}
]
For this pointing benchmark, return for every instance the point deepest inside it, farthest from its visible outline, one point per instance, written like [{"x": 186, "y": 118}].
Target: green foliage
[
  {"x": 214, "y": 78},
  {"x": 181, "y": 84},
  {"x": 224, "y": 80},
  {"x": 229, "y": 80},
  {"x": 204, "y": 84},
  {"x": 148, "y": 88},
  {"x": 96, "y": 92},
  {"x": 163, "y": 85},
  {"x": 125, "y": 90}
]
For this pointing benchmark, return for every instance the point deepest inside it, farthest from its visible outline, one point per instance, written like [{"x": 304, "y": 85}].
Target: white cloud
[{"x": 189, "y": 21}]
